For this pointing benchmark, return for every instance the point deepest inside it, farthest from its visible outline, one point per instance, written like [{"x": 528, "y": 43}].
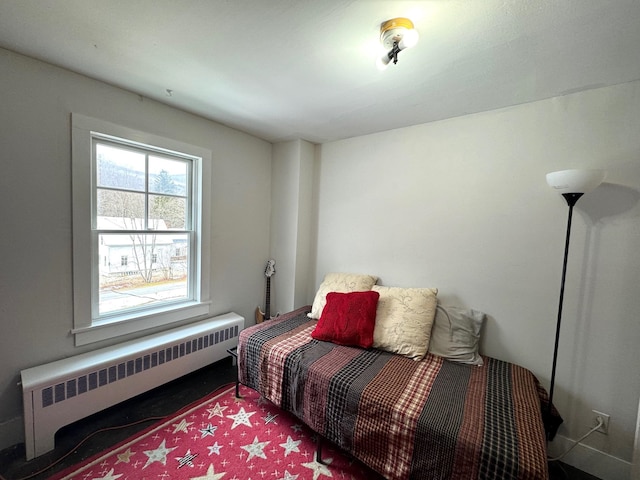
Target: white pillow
[
  {"x": 404, "y": 317},
  {"x": 341, "y": 283},
  {"x": 456, "y": 334}
]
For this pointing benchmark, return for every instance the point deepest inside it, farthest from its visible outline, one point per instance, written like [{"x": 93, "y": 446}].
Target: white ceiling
[{"x": 287, "y": 69}]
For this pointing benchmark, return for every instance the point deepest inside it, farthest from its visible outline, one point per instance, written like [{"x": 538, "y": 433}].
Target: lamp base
[{"x": 551, "y": 420}]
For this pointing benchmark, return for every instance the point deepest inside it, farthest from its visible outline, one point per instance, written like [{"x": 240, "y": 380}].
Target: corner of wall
[
  {"x": 11, "y": 432},
  {"x": 590, "y": 460}
]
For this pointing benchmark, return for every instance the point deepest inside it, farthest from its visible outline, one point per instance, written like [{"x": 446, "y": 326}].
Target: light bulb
[
  {"x": 409, "y": 39},
  {"x": 382, "y": 62}
]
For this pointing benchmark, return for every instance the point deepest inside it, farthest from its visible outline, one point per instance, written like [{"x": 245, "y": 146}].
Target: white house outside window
[{"x": 140, "y": 206}]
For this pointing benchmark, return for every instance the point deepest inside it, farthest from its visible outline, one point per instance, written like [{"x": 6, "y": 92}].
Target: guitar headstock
[{"x": 270, "y": 269}]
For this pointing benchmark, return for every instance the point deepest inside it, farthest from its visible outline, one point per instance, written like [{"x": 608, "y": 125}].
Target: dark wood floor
[{"x": 159, "y": 402}]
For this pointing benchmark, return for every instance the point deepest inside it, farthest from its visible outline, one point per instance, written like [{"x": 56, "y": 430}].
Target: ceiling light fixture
[{"x": 396, "y": 35}]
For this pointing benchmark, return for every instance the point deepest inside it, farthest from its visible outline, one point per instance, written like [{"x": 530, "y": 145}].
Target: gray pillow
[{"x": 456, "y": 334}]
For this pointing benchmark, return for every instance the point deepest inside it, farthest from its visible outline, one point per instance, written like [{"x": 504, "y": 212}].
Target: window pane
[
  {"x": 120, "y": 168},
  {"x": 167, "y": 212},
  {"x": 141, "y": 271},
  {"x": 119, "y": 210},
  {"x": 168, "y": 176}
]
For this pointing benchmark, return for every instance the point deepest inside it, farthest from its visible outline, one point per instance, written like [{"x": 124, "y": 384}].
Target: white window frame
[{"x": 87, "y": 327}]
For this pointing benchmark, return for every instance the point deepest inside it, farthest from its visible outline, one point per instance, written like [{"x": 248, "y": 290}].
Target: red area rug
[{"x": 222, "y": 437}]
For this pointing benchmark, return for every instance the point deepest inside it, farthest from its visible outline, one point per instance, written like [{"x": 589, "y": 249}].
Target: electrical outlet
[{"x": 605, "y": 421}]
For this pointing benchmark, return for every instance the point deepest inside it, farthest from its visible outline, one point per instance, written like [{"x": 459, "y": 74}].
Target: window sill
[{"x": 125, "y": 325}]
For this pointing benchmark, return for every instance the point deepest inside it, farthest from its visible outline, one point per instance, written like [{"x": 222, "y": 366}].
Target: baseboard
[
  {"x": 590, "y": 460},
  {"x": 11, "y": 432}
]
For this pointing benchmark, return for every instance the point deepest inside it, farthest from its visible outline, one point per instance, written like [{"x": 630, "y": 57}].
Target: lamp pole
[
  {"x": 572, "y": 184},
  {"x": 571, "y": 199}
]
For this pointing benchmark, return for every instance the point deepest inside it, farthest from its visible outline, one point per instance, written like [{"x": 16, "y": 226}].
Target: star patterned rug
[{"x": 222, "y": 437}]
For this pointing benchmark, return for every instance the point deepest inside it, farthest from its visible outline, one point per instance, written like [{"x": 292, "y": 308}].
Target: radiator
[{"x": 61, "y": 392}]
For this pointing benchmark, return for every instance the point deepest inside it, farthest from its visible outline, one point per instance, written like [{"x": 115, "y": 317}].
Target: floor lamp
[{"x": 572, "y": 184}]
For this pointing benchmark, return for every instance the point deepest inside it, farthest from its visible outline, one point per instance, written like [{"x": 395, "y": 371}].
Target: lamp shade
[{"x": 575, "y": 181}]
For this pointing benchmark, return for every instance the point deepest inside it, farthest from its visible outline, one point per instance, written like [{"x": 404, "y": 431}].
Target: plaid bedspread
[{"x": 431, "y": 419}]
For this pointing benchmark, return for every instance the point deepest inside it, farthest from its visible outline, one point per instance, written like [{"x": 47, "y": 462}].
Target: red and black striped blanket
[{"x": 431, "y": 419}]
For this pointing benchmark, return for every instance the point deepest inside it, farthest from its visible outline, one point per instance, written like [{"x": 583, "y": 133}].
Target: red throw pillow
[{"x": 348, "y": 319}]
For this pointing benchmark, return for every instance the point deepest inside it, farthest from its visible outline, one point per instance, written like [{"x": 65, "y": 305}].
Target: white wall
[
  {"x": 462, "y": 205},
  {"x": 635, "y": 468},
  {"x": 35, "y": 210},
  {"x": 291, "y": 224}
]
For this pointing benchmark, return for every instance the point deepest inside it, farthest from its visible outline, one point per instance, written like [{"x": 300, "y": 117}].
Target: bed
[{"x": 406, "y": 419}]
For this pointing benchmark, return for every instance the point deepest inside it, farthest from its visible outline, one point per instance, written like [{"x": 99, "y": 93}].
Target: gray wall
[{"x": 35, "y": 210}]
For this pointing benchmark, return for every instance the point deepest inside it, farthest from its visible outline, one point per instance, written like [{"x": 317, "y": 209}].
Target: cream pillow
[
  {"x": 341, "y": 283},
  {"x": 404, "y": 317},
  {"x": 456, "y": 334}
]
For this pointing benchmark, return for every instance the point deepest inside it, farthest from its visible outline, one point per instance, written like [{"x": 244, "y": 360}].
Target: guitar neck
[{"x": 267, "y": 308}]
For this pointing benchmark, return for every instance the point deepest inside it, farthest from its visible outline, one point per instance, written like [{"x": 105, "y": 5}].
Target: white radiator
[{"x": 61, "y": 392}]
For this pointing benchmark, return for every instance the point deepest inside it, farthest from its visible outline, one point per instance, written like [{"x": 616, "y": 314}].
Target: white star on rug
[
  {"x": 319, "y": 468},
  {"x": 256, "y": 449},
  {"x": 288, "y": 476},
  {"x": 215, "y": 448},
  {"x": 210, "y": 475},
  {"x": 109, "y": 476},
  {"x": 125, "y": 457},
  {"x": 216, "y": 411},
  {"x": 290, "y": 445},
  {"x": 208, "y": 430},
  {"x": 158, "y": 455},
  {"x": 182, "y": 426},
  {"x": 241, "y": 418}
]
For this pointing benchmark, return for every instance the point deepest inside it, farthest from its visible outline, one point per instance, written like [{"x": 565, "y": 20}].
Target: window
[
  {"x": 139, "y": 204},
  {"x": 143, "y": 207}
]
